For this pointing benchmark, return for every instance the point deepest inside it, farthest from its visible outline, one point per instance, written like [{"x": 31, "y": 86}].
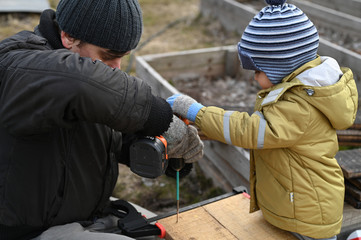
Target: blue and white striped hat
[{"x": 278, "y": 40}]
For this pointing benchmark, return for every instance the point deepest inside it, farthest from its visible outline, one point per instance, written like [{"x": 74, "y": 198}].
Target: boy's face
[{"x": 262, "y": 80}]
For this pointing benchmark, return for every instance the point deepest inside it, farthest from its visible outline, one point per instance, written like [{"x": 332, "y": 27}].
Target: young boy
[{"x": 294, "y": 178}]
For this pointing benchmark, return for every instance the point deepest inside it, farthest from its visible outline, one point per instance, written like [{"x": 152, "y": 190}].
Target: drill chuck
[{"x": 176, "y": 163}]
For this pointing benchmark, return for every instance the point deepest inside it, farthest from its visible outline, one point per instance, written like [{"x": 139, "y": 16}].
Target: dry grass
[
  {"x": 191, "y": 33},
  {"x": 16, "y": 22}
]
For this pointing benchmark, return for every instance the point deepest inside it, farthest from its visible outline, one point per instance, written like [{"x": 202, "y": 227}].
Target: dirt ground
[{"x": 169, "y": 25}]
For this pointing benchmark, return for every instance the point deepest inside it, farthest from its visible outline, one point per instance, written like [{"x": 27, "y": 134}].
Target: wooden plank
[
  {"x": 353, "y": 191},
  {"x": 233, "y": 15},
  {"x": 356, "y": 133},
  {"x": 195, "y": 224},
  {"x": 349, "y": 137},
  {"x": 352, "y": 7},
  {"x": 198, "y": 58},
  {"x": 253, "y": 224},
  {"x": 211, "y": 172},
  {"x": 232, "y": 64},
  {"x": 353, "y": 201},
  {"x": 350, "y": 162},
  {"x": 225, "y": 219},
  {"x": 356, "y": 182},
  {"x": 231, "y": 161},
  {"x": 159, "y": 85},
  {"x": 327, "y": 17}
]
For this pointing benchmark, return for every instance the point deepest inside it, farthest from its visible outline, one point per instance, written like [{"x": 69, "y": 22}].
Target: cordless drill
[
  {"x": 149, "y": 159},
  {"x": 148, "y": 156}
]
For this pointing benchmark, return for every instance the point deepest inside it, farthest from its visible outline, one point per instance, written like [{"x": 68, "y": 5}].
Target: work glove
[
  {"x": 183, "y": 141},
  {"x": 184, "y": 106}
]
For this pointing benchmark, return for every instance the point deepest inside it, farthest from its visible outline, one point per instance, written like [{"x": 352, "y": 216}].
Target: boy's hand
[
  {"x": 184, "y": 106},
  {"x": 183, "y": 141}
]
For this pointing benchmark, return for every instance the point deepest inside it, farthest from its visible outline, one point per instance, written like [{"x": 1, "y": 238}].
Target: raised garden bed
[{"x": 212, "y": 76}]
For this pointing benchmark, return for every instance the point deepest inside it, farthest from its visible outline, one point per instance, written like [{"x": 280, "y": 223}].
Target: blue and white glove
[{"x": 184, "y": 106}]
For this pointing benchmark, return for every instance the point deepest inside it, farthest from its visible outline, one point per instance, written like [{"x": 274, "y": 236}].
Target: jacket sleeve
[
  {"x": 276, "y": 126},
  {"x": 45, "y": 89}
]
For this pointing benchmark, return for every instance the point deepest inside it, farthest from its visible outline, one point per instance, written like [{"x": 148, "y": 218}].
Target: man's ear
[{"x": 67, "y": 40}]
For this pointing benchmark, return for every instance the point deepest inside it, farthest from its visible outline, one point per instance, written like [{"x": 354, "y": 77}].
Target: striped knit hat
[{"x": 278, "y": 40}]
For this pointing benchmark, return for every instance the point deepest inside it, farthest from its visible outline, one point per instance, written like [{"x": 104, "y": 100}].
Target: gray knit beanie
[
  {"x": 111, "y": 24},
  {"x": 278, "y": 40}
]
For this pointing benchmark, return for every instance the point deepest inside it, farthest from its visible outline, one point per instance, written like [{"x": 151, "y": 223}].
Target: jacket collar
[{"x": 271, "y": 95}]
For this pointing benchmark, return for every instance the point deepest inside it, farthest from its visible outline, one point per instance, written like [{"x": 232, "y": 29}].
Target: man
[{"x": 68, "y": 115}]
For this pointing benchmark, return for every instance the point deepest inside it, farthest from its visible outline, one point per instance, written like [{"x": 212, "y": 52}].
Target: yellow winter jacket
[{"x": 294, "y": 177}]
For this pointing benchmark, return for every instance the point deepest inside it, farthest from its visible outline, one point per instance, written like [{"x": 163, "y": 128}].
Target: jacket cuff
[{"x": 159, "y": 119}]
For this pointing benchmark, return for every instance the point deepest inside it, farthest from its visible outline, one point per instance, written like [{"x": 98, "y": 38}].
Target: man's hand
[
  {"x": 183, "y": 141},
  {"x": 184, "y": 106}
]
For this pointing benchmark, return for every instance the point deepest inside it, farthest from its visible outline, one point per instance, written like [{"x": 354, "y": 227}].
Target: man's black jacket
[{"x": 60, "y": 121}]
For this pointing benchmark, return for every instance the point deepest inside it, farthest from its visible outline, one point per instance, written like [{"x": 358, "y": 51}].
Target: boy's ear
[{"x": 67, "y": 40}]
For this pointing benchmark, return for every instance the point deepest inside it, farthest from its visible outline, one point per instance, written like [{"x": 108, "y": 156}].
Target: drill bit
[
  {"x": 177, "y": 164},
  {"x": 177, "y": 195}
]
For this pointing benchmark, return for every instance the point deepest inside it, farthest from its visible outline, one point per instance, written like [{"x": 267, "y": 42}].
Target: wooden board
[
  {"x": 352, "y": 190},
  {"x": 225, "y": 219},
  {"x": 350, "y": 162},
  {"x": 328, "y": 18},
  {"x": 350, "y": 137},
  {"x": 351, "y": 7},
  {"x": 353, "y": 201},
  {"x": 356, "y": 182},
  {"x": 211, "y": 62}
]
